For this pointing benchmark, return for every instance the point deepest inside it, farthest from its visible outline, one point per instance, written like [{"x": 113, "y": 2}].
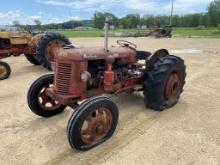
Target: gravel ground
[{"x": 188, "y": 133}]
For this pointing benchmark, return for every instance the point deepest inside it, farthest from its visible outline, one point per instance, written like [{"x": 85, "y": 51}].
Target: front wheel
[
  {"x": 5, "y": 70},
  {"x": 92, "y": 123},
  {"x": 39, "y": 102},
  {"x": 164, "y": 82}
]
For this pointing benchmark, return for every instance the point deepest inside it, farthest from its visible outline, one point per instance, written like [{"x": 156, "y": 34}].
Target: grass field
[
  {"x": 193, "y": 32},
  {"x": 177, "y": 32}
]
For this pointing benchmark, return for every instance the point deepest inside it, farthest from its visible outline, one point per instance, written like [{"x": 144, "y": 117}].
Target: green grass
[
  {"x": 193, "y": 32},
  {"x": 177, "y": 32}
]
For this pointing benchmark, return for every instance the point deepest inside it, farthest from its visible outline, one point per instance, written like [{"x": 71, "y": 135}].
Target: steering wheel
[{"x": 124, "y": 43}]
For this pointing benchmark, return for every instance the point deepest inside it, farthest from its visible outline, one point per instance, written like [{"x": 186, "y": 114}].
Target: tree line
[{"x": 209, "y": 19}]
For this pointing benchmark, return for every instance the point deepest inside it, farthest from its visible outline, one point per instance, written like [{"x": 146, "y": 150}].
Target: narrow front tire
[
  {"x": 41, "y": 104},
  {"x": 5, "y": 70},
  {"x": 92, "y": 123}
]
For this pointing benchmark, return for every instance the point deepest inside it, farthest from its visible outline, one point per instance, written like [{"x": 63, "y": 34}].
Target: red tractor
[{"x": 88, "y": 73}]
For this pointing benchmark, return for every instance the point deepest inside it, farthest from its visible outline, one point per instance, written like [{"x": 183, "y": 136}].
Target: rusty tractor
[
  {"x": 38, "y": 49},
  {"x": 84, "y": 75}
]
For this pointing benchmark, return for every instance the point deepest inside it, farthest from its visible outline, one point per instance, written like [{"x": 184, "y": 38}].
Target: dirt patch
[{"x": 189, "y": 133}]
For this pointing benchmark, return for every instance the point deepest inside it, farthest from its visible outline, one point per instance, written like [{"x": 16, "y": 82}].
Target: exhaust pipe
[{"x": 106, "y": 34}]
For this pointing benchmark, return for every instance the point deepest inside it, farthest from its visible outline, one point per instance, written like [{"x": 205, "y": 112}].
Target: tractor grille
[{"x": 63, "y": 77}]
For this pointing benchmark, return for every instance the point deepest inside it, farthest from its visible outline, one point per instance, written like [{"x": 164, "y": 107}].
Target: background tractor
[
  {"x": 87, "y": 73},
  {"x": 37, "y": 48},
  {"x": 161, "y": 32}
]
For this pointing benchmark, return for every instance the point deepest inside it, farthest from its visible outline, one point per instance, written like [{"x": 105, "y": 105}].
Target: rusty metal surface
[
  {"x": 96, "y": 126},
  {"x": 173, "y": 86},
  {"x": 46, "y": 102},
  {"x": 71, "y": 63},
  {"x": 4, "y": 53},
  {"x": 3, "y": 71},
  {"x": 16, "y": 51},
  {"x": 52, "y": 45},
  {"x": 68, "y": 78},
  {"x": 124, "y": 53}
]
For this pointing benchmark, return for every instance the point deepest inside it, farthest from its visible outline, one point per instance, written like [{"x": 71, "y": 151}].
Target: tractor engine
[{"x": 119, "y": 72}]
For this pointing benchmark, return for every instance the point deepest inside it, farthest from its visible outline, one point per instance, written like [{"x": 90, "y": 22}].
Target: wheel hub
[
  {"x": 173, "y": 86},
  {"x": 46, "y": 102},
  {"x": 96, "y": 126},
  {"x": 3, "y": 71}
]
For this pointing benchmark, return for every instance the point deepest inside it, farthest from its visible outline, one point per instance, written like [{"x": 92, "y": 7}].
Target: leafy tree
[
  {"x": 38, "y": 23},
  {"x": 99, "y": 19},
  {"x": 130, "y": 21},
  {"x": 16, "y": 23},
  {"x": 214, "y": 13}
]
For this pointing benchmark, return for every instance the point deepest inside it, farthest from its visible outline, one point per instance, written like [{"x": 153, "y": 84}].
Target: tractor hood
[{"x": 85, "y": 54}]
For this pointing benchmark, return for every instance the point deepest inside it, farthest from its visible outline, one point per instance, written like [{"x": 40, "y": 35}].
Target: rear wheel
[
  {"x": 32, "y": 59},
  {"x": 164, "y": 83},
  {"x": 5, "y": 70},
  {"x": 92, "y": 123},
  {"x": 46, "y": 45},
  {"x": 39, "y": 102}
]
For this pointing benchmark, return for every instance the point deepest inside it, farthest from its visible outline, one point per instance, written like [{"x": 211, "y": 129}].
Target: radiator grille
[{"x": 63, "y": 77}]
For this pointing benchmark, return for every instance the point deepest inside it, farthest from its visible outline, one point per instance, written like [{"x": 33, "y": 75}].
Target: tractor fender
[{"x": 155, "y": 56}]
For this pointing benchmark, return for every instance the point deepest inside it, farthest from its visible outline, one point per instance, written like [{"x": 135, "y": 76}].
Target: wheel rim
[
  {"x": 50, "y": 47},
  {"x": 46, "y": 102},
  {"x": 3, "y": 71},
  {"x": 173, "y": 86},
  {"x": 96, "y": 126}
]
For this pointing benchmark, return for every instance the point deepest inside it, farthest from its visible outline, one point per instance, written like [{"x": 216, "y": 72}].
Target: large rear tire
[
  {"x": 32, "y": 59},
  {"x": 39, "y": 102},
  {"x": 44, "y": 52},
  {"x": 164, "y": 82},
  {"x": 92, "y": 123},
  {"x": 5, "y": 70}
]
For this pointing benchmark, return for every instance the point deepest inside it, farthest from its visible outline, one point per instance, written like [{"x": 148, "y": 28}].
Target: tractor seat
[{"x": 143, "y": 55}]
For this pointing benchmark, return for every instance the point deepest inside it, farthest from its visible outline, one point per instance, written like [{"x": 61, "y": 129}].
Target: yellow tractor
[{"x": 37, "y": 48}]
